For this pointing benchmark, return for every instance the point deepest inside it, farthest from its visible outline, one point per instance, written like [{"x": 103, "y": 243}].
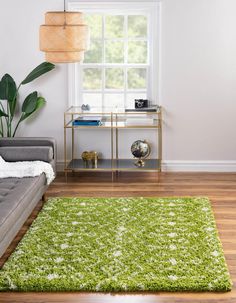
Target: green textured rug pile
[{"x": 119, "y": 244}]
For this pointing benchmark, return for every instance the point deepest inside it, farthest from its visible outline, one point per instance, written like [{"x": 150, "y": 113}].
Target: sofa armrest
[
  {"x": 27, "y": 153},
  {"x": 29, "y": 149},
  {"x": 29, "y": 141}
]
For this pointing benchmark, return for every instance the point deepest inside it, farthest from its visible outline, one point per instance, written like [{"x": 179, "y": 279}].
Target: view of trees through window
[{"x": 115, "y": 68}]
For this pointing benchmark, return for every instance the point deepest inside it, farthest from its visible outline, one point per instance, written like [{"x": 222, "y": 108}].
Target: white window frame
[{"x": 152, "y": 10}]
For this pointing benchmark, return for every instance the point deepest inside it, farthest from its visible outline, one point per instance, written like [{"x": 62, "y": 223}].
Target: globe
[{"x": 140, "y": 149}]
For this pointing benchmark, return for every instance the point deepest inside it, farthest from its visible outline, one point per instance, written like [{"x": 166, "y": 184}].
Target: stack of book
[
  {"x": 139, "y": 120},
  {"x": 87, "y": 121},
  {"x": 143, "y": 109}
]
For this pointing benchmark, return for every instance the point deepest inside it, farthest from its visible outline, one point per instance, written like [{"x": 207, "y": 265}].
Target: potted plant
[{"x": 9, "y": 98}]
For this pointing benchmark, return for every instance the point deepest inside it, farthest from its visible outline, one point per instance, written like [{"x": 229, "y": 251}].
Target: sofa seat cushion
[
  {"x": 15, "y": 195},
  {"x": 26, "y": 153}
]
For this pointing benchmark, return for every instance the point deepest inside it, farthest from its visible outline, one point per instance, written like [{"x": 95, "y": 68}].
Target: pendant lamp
[{"x": 63, "y": 37}]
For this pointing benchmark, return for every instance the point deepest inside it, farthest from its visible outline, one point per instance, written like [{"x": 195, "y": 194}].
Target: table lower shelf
[{"x": 114, "y": 165}]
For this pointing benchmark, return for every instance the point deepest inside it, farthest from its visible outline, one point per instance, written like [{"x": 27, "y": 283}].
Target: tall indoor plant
[{"x": 9, "y": 98}]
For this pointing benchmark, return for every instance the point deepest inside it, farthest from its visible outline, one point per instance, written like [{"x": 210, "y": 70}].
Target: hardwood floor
[{"x": 219, "y": 187}]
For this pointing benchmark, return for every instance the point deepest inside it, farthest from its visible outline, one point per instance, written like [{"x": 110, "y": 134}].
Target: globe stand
[{"x": 139, "y": 163}]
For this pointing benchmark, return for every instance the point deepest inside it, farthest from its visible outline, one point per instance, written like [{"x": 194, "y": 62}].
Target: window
[{"x": 121, "y": 63}]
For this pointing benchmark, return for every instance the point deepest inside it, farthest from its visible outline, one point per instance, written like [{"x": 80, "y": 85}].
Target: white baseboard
[
  {"x": 188, "y": 166},
  {"x": 199, "y": 166}
]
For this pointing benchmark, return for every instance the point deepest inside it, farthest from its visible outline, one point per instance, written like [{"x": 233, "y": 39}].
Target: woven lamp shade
[{"x": 64, "y": 37}]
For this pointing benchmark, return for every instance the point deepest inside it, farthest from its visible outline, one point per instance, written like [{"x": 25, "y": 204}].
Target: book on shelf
[
  {"x": 144, "y": 109},
  {"x": 90, "y": 118},
  {"x": 86, "y": 123},
  {"x": 87, "y": 120},
  {"x": 139, "y": 121}
]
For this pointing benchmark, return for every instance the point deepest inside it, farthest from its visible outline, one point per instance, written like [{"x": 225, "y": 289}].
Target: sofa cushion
[
  {"x": 26, "y": 153},
  {"x": 15, "y": 195}
]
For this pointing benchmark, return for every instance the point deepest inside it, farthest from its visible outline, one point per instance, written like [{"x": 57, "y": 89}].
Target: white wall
[
  {"x": 19, "y": 54},
  {"x": 198, "y": 77},
  {"x": 199, "y": 80}
]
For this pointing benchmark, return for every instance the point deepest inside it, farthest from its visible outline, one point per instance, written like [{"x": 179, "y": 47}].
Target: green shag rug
[{"x": 119, "y": 244}]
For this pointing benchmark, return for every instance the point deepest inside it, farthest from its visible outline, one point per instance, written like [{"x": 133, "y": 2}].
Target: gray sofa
[{"x": 19, "y": 196}]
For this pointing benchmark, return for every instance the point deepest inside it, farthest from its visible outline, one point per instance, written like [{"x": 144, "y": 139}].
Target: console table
[{"x": 114, "y": 122}]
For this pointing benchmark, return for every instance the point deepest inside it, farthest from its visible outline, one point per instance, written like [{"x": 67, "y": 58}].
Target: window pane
[
  {"x": 92, "y": 78},
  {"x": 114, "y": 78},
  {"x": 137, "y": 78},
  {"x": 114, "y": 100},
  {"x": 137, "y": 52},
  {"x": 114, "y": 27},
  {"x": 95, "y": 25},
  {"x": 137, "y": 26},
  {"x": 94, "y": 54},
  {"x": 93, "y": 100},
  {"x": 114, "y": 52},
  {"x": 132, "y": 97}
]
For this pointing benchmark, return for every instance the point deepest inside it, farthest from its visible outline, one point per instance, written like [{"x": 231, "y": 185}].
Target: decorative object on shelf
[
  {"x": 85, "y": 107},
  {"x": 90, "y": 157},
  {"x": 140, "y": 149},
  {"x": 9, "y": 92},
  {"x": 140, "y": 103},
  {"x": 64, "y": 36},
  {"x": 87, "y": 121}
]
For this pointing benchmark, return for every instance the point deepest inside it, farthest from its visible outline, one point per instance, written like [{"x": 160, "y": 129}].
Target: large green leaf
[
  {"x": 3, "y": 114},
  {"x": 38, "y": 71},
  {"x": 8, "y": 88},
  {"x": 30, "y": 103},
  {"x": 39, "y": 104}
]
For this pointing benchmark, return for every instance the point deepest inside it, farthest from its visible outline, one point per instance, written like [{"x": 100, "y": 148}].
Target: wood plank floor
[{"x": 219, "y": 187}]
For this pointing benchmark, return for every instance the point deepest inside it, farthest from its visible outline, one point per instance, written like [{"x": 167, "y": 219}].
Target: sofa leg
[{"x": 44, "y": 198}]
